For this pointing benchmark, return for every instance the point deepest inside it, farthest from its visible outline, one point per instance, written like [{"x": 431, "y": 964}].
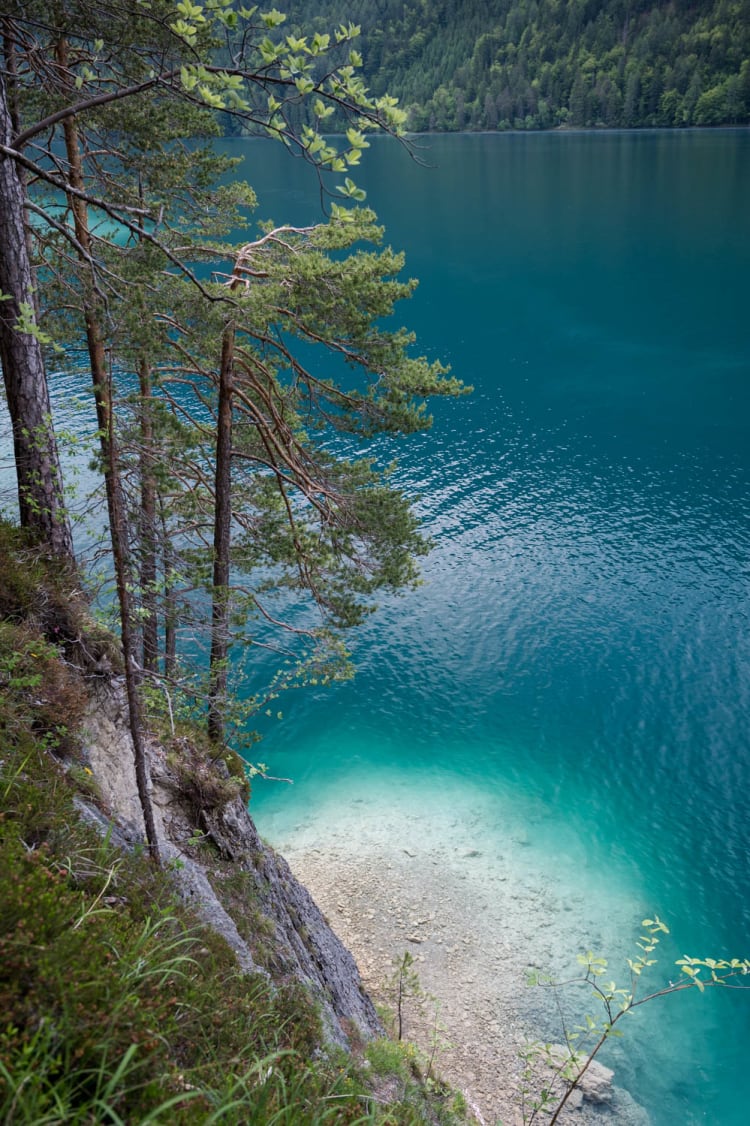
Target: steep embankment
[
  {"x": 219, "y": 864},
  {"x": 212, "y": 990}
]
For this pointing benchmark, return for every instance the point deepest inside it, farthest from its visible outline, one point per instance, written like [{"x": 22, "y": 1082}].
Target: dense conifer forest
[{"x": 541, "y": 64}]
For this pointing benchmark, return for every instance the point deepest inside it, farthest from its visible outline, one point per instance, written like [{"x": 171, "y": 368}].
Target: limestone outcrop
[{"x": 210, "y": 846}]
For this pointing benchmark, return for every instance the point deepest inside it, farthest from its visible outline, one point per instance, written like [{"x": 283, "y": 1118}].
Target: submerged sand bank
[{"x": 474, "y": 914}]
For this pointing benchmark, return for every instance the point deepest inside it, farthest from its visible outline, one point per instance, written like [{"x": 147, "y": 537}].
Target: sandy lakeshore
[{"x": 474, "y": 917}]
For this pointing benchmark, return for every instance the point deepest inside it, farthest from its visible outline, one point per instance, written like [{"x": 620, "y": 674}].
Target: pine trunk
[
  {"x": 170, "y": 595},
  {"x": 148, "y": 522},
  {"x": 115, "y": 499},
  {"x": 40, "y": 489},
  {"x": 217, "y": 691}
]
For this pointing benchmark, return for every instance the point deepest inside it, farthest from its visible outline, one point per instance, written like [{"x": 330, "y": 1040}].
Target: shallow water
[{"x": 576, "y": 667}]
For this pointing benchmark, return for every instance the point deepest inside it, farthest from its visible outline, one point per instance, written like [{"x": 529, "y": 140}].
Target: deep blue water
[{"x": 581, "y": 639}]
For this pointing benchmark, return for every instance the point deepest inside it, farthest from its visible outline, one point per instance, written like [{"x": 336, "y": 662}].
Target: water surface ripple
[
  {"x": 578, "y": 656},
  {"x": 579, "y": 648}
]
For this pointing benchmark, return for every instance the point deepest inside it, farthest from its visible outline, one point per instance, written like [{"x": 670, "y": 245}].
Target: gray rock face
[
  {"x": 301, "y": 943},
  {"x": 596, "y": 1083}
]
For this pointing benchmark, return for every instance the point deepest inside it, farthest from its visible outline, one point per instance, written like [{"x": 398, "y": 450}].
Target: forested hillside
[{"x": 538, "y": 64}]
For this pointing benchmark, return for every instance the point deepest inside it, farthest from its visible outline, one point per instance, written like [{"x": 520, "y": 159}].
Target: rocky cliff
[{"x": 220, "y": 865}]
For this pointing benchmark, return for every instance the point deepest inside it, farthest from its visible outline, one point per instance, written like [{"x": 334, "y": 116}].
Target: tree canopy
[
  {"x": 235, "y": 370},
  {"x": 540, "y": 64}
]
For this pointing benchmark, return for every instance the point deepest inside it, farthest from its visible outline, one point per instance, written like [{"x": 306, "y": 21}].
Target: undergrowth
[{"x": 116, "y": 1006}]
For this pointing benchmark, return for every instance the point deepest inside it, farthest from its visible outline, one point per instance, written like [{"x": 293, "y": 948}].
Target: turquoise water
[
  {"x": 571, "y": 684},
  {"x": 579, "y": 650}
]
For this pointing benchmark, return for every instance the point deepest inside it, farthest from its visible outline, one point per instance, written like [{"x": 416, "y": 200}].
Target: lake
[
  {"x": 575, "y": 670},
  {"x": 556, "y": 722}
]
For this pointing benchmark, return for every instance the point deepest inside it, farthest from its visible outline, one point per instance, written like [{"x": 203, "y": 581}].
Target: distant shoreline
[{"x": 598, "y": 130}]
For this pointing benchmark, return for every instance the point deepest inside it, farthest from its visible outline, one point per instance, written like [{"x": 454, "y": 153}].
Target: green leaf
[
  {"x": 350, "y": 189},
  {"x": 357, "y": 139},
  {"x": 320, "y": 43},
  {"x": 270, "y": 51},
  {"x": 191, "y": 11},
  {"x": 187, "y": 78},
  {"x": 273, "y": 18}
]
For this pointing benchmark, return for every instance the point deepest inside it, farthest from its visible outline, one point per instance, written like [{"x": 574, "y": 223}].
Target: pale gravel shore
[{"x": 473, "y": 918}]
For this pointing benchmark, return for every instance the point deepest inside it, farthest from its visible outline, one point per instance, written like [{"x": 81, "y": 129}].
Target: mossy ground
[{"x": 116, "y": 1005}]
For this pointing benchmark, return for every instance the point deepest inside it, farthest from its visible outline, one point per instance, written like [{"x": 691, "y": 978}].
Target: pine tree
[{"x": 215, "y": 357}]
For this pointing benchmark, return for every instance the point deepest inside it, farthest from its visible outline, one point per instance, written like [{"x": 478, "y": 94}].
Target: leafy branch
[{"x": 570, "y": 1062}]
